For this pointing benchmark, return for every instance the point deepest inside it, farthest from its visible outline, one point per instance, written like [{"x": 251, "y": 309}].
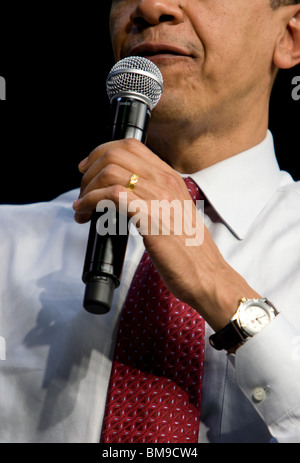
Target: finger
[
  {"x": 85, "y": 164},
  {"x": 129, "y": 153},
  {"x": 86, "y": 205},
  {"x": 143, "y": 196},
  {"x": 128, "y": 144},
  {"x": 111, "y": 174}
]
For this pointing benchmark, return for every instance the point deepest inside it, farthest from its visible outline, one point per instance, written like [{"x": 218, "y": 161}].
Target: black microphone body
[
  {"x": 130, "y": 120},
  {"x": 134, "y": 87},
  {"x": 105, "y": 254}
]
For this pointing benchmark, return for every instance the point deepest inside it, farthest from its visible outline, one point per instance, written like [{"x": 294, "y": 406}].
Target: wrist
[
  {"x": 222, "y": 296},
  {"x": 251, "y": 317}
]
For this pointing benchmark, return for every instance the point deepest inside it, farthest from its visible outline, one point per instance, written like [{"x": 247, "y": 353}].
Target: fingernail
[
  {"x": 76, "y": 204},
  {"x": 82, "y": 164}
]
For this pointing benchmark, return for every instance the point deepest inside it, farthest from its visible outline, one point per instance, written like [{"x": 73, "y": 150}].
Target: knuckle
[
  {"x": 111, "y": 156},
  {"x": 173, "y": 183},
  {"x": 95, "y": 154},
  {"x": 130, "y": 143},
  {"x": 115, "y": 191},
  {"x": 91, "y": 198},
  {"x": 109, "y": 172}
]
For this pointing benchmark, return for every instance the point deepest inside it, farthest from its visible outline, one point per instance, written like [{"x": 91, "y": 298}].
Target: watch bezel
[
  {"x": 233, "y": 334},
  {"x": 243, "y": 321}
]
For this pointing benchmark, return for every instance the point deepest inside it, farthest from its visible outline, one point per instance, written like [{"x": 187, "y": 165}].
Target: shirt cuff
[{"x": 268, "y": 372}]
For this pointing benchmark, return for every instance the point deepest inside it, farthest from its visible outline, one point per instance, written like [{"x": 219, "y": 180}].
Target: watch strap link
[{"x": 227, "y": 337}]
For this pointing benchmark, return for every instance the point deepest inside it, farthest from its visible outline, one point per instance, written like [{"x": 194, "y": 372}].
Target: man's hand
[{"x": 197, "y": 275}]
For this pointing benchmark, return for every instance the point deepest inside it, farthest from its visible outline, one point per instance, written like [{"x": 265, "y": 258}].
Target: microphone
[{"x": 134, "y": 87}]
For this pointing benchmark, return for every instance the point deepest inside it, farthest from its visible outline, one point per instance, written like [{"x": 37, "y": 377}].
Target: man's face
[{"x": 215, "y": 55}]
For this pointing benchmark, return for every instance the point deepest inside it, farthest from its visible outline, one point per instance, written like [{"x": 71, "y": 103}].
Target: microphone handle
[{"x": 105, "y": 254}]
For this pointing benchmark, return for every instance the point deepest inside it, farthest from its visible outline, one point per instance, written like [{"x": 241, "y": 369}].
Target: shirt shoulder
[
  {"x": 287, "y": 199},
  {"x": 63, "y": 201},
  {"x": 36, "y": 219},
  {"x": 288, "y": 184}
]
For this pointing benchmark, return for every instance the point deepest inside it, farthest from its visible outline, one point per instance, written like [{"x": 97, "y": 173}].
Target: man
[{"x": 219, "y": 61}]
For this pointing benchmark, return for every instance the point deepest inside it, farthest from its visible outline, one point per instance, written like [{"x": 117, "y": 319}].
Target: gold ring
[{"x": 132, "y": 182}]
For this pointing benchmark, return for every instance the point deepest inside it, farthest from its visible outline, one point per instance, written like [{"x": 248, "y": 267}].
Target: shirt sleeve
[{"x": 267, "y": 369}]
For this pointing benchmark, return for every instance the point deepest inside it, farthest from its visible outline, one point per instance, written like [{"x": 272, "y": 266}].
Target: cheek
[
  {"x": 236, "y": 61},
  {"x": 115, "y": 45},
  {"x": 117, "y": 29},
  {"x": 230, "y": 39}
]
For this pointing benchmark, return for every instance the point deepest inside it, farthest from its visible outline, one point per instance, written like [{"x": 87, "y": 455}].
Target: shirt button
[{"x": 259, "y": 394}]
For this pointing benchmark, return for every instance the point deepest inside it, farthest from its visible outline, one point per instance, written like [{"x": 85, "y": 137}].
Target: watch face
[{"x": 253, "y": 319}]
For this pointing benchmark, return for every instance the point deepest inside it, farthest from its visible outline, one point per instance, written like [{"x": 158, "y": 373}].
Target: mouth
[{"x": 158, "y": 51}]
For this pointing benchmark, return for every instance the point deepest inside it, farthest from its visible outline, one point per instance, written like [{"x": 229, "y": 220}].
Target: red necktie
[{"x": 154, "y": 394}]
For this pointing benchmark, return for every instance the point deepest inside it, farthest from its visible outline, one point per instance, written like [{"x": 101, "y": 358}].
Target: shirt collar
[{"x": 239, "y": 187}]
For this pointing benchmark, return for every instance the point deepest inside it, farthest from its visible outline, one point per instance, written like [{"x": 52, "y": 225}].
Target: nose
[{"x": 147, "y": 13}]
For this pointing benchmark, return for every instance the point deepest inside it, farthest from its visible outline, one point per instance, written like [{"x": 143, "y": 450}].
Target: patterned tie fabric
[{"x": 154, "y": 394}]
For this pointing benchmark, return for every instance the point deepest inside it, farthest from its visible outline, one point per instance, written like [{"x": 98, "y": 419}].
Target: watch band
[
  {"x": 233, "y": 334},
  {"x": 227, "y": 337}
]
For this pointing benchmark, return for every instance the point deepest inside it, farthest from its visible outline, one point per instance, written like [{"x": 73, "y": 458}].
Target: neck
[{"x": 189, "y": 147}]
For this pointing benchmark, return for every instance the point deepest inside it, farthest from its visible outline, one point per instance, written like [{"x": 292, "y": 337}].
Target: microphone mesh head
[{"x": 135, "y": 77}]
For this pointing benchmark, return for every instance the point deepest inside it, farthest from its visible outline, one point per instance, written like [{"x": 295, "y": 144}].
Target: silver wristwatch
[{"x": 250, "y": 318}]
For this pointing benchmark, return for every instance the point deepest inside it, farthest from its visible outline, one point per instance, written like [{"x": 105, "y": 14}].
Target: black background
[{"x": 55, "y": 62}]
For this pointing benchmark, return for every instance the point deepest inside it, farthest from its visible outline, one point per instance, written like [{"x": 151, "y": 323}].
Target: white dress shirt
[{"x": 55, "y": 358}]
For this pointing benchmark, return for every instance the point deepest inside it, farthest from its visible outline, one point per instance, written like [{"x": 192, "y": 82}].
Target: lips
[{"x": 150, "y": 50}]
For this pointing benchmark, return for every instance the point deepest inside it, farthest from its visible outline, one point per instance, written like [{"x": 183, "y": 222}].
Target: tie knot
[{"x": 193, "y": 188}]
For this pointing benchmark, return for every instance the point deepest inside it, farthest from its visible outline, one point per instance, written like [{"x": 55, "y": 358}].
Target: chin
[{"x": 170, "y": 108}]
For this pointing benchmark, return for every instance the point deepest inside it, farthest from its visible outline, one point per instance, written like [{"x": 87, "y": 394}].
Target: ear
[{"x": 287, "y": 50}]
